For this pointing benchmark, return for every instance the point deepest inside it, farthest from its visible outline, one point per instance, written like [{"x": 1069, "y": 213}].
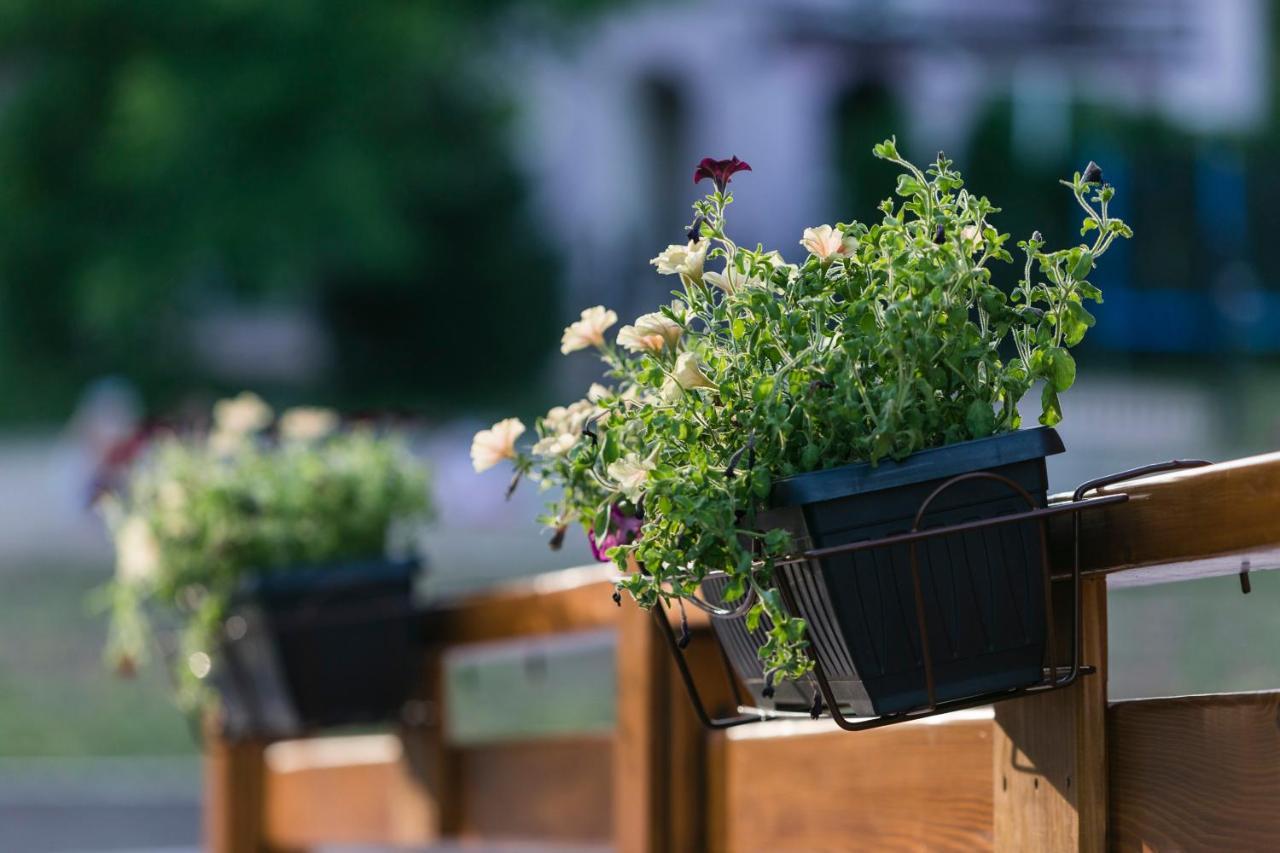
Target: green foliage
[
  {"x": 888, "y": 339},
  {"x": 158, "y": 158},
  {"x": 200, "y": 515}
]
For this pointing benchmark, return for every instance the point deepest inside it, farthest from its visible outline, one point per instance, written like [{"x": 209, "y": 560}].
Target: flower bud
[
  {"x": 1092, "y": 173},
  {"x": 939, "y": 236}
]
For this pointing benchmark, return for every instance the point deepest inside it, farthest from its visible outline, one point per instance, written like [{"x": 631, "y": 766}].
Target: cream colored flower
[
  {"x": 631, "y": 473},
  {"x": 224, "y": 443},
  {"x": 556, "y": 444},
  {"x": 571, "y": 418},
  {"x": 683, "y": 260},
  {"x": 243, "y": 414},
  {"x": 973, "y": 234},
  {"x": 689, "y": 374},
  {"x": 629, "y": 338},
  {"x": 825, "y": 243},
  {"x": 588, "y": 330},
  {"x": 731, "y": 280},
  {"x": 491, "y": 446},
  {"x": 598, "y": 392},
  {"x": 307, "y": 423},
  {"x": 137, "y": 552},
  {"x": 660, "y": 324}
]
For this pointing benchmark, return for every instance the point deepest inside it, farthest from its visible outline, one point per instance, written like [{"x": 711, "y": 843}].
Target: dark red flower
[{"x": 719, "y": 171}]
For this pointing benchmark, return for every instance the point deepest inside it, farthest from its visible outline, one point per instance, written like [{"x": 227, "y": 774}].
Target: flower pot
[
  {"x": 318, "y": 647},
  {"x": 982, "y": 590}
]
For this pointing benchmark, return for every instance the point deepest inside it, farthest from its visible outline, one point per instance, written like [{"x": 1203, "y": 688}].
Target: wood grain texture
[
  {"x": 810, "y": 787},
  {"x": 642, "y": 766},
  {"x": 1049, "y": 753},
  {"x": 578, "y": 599},
  {"x": 337, "y": 790},
  {"x": 1194, "y": 518},
  {"x": 1196, "y": 773},
  {"x": 556, "y": 790},
  {"x": 233, "y": 793}
]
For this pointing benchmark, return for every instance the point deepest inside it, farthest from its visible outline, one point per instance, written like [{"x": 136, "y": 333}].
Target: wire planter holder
[{"x": 1055, "y": 673}]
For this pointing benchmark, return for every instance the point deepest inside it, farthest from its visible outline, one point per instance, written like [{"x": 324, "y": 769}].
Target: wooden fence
[{"x": 1058, "y": 771}]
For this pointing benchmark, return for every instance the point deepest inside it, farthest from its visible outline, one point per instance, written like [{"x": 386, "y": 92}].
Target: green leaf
[
  {"x": 1061, "y": 368},
  {"x": 980, "y": 418},
  {"x": 1082, "y": 264},
  {"x": 600, "y": 524},
  {"x": 909, "y": 186},
  {"x": 1076, "y": 320},
  {"x": 1051, "y": 409},
  {"x": 611, "y": 450}
]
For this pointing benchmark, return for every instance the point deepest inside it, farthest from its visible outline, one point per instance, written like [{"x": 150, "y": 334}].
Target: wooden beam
[
  {"x": 1050, "y": 777},
  {"x": 344, "y": 790},
  {"x": 1198, "y": 522},
  {"x": 808, "y": 786},
  {"x": 233, "y": 793},
  {"x": 557, "y": 602},
  {"x": 1196, "y": 773},
  {"x": 641, "y": 768},
  {"x": 554, "y": 791}
]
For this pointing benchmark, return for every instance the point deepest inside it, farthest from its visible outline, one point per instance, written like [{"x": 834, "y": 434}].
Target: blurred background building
[{"x": 392, "y": 207}]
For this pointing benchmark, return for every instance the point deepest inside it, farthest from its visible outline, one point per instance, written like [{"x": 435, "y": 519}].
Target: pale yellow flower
[
  {"x": 631, "y": 473},
  {"x": 588, "y": 330},
  {"x": 659, "y": 324},
  {"x": 137, "y": 552},
  {"x": 684, "y": 260},
  {"x": 825, "y": 242},
  {"x": 491, "y": 446},
  {"x": 243, "y": 414},
  {"x": 629, "y": 338},
  {"x": 556, "y": 444},
  {"x": 689, "y": 374},
  {"x": 731, "y": 280},
  {"x": 972, "y": 234},
  {"x": 307, "y": 423},
  {"x": 224, "y": 443}
]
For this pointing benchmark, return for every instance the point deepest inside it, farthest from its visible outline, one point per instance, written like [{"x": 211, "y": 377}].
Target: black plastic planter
[
  {"x": 982, "y": 589},
  {"x": 318, "y": 647}
]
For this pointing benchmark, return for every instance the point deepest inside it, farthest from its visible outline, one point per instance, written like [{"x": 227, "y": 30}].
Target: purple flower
[
  {"x": 623, "y": 530},
  {"x": 719, "y": 171}
]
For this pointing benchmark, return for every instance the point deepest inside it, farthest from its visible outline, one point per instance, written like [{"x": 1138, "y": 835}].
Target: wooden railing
[{"x": 1058, "y": 771}]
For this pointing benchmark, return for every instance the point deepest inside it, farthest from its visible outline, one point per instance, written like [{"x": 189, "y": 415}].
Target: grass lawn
[{"x": 56, "y": 697}]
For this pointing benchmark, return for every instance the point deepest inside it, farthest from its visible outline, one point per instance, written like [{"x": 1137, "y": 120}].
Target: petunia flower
[
  {"x": 243, "y": 414},
  {"x": 588, "y": 330},
  {"x": 623, "y": 530},
  {"x": 1092, "y": 173},
  {"x": 731, "y": 280},
  {"x": 661, "y": 325},
  {"x": 631, "y": 473},
  {"x": 307, "y": 423},
  {"x": 137, "y": 552},
  {"x": 556, "y": 444},
  {"x": 825, "y": 242},
  {"x": 630, "y": 339},
  {"x": 689, "y": 375},
  {"x": 491, "y": 446},
  {"x": 719, "y": 171},
  {"x": 684, "y": 260}
]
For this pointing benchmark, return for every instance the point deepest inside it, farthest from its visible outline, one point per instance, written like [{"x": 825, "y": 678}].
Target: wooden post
[
  {"x": 1050, "y": 753},
  {"x": 640, "y": 761},
  {"x": 233, "y": 793},
  {"x": 433, "y": 762}
]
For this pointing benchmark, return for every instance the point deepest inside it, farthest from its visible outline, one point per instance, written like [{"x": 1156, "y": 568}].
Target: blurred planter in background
[{"x": 265, "y": 544}]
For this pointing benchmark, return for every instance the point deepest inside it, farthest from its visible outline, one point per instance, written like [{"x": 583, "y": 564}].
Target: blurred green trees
[{"x": 157, "y": 158}]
